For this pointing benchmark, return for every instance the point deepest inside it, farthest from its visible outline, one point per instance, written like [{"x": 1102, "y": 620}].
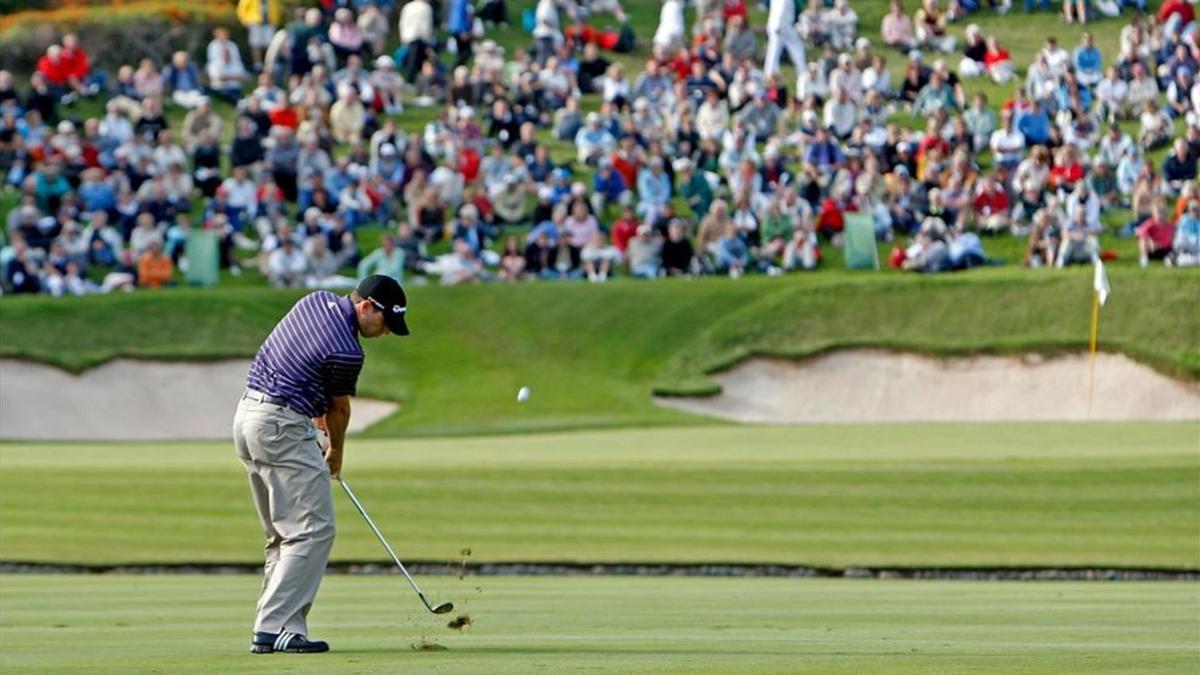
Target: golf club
[{"x": 436, "y": 609}]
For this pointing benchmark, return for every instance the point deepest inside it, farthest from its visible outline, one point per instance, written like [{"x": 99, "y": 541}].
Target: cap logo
[{"x": 397, "y": 309}]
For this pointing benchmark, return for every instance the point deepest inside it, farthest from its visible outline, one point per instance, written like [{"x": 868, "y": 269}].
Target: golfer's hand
[{"x": 334, "y": 459}]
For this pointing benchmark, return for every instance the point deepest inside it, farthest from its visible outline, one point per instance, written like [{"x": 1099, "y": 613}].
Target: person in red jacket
[
  {"x": 991, "y": 206},
  {"x": 78, "y": 66},
  {"x": 55, "y": 69},
  {"x": 1176, "y": 15}
]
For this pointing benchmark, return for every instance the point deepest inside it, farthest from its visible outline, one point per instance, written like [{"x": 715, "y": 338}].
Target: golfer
[{"x": 301, "y": 381}]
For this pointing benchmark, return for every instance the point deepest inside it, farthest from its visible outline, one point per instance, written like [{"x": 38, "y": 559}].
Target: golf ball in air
[{"x": 523, "y": 395}]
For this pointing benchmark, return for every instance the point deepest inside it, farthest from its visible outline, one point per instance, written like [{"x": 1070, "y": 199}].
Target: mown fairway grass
[
  {"x": 127, "y": 624},
  {"x": 593, "y": 354},
  {"x": 908, "y": 495}
]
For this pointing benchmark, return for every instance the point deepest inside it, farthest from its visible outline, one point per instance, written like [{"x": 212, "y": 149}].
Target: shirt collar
[{"x": 347, "y": 309}]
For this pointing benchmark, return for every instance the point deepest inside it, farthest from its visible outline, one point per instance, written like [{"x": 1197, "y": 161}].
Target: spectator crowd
[{"x": 289, "y": 148}]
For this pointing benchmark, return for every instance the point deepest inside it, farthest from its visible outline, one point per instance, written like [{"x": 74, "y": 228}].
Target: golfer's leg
[
  {"x": 301, "y": 507},
  {"x": 247, "y": 432}
]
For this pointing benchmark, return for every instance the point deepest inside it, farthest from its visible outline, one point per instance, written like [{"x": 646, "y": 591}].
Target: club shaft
[{"x": 396, "y": 559}]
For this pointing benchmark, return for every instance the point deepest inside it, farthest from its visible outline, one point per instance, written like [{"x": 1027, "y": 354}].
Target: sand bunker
[
  {"x": 880, "y": 386},
  {"x": 128, "y": 400}
]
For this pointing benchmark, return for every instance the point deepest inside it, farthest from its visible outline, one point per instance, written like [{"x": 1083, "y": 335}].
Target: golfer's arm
[{"x": 336, "y": 421}]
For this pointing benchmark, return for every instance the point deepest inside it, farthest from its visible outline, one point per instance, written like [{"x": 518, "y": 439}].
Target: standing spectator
[
  {"x": 781, "y": 35},
  {"x": 416, "y": 36},
  {"x": 260, "y": 17}
]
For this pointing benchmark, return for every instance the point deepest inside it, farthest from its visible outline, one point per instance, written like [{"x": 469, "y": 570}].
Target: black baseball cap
[{"x": 385, "y": 293}]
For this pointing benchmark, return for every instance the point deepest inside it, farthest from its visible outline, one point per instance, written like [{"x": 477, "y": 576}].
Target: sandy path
[
  {"x": 129, "y": 400},
  {"x": 880, "y": 386}
]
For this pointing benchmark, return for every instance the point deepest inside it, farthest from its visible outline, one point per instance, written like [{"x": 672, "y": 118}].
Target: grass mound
[{"x": 596, "y": 353}]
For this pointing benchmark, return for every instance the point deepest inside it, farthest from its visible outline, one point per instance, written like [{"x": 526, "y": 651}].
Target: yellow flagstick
[{"x": 1092, "y": 349}]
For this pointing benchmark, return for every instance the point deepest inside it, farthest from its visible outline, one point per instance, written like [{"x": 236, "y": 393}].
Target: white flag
[{"x": 1100, "y": 283}]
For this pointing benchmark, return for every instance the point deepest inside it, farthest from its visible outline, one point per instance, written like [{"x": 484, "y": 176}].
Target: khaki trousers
[{"x": 290, "y": 483}]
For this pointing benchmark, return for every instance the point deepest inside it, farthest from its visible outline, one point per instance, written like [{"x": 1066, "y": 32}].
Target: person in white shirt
[
  {"x": 223, "y": 63},
  {"x": 286, "y": 265},
  {"x": 842, "y": 23},
  {"x": 241, "y": 193},
  {"x": 416, "y": 33},
  {"x": 712, "y": 117},
  {"x": 841, "y": 114},
  {"x": 547, "y": 32},
  {"x": 1111, "y": 95},
  {"x": 1056, "y": 57},
  {"x": 846, "y": 78},
  {"x": 1142, "y": 88},
  {"x": 781, "y": 35},
  {"x": 1007, "y": 143},
  {"x": 812, "y": 82}
]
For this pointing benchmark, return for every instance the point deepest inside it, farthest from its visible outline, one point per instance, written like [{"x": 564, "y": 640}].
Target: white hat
[
  {"x": 385, "y": 61},
  {"x": 387, "y": 149},
  {"x": 469, "y": 211},
  {"x": 862, "y": 43}
]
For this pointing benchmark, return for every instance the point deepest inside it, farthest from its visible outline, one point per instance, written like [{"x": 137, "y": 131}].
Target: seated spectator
[
  {"x": 897, "y": 28},
  {"x": 1155, "y": 236},
  {"x": 512, "y": 261},
  {"x": 1088, "y": 61},
  {"x": 1111, "y": 96},
  {"x": 593, "y": 141},
  {"x": 974, "y": 50},
  {"x": 1079, "y": 245},
  {"x": 154, "y": 269},
  {"x": 345, "y": 35},
  {"x": 541, "y": 254},
  {"x": 731, "y": 252},
  {"x": 654, "y": 189},
  {"x": 1179, "y": 167},
  {"x": 644, "y": 253},
  {"x": 226, "y": 72},
  {"x": 579, "y": 228},
  {"x": 1186, "y": 245},
  {"x": 286, "y": 265},
  {"x": 1155, "y": 127},
  {"x": 461, "y": 266},
  {"x": 802, "y": 251},
  {"x": 998, "y": 63},
  {"x": 347, "y": 117},
  {"x": 991, "y": 206},
  {"x": 388, "y": 259},
  {"x": 181, "y": 80},
  {"x": 930, "y": 26},
  {"x": 598, "y": 257}
]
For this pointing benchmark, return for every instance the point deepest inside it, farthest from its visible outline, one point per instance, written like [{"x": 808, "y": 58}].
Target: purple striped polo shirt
[{"x": 312, "y": 355}]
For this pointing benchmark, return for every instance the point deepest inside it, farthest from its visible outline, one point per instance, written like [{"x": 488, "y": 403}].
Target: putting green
[
  {"x": 916, "y": 495},
  {"x": 200, "y": 624}
]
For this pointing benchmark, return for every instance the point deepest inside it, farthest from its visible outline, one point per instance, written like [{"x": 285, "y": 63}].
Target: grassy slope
[
  {"x": 594, "y": 353},
  {"x": 191, "y": 624},
  {"x": 914, "y": 495}
]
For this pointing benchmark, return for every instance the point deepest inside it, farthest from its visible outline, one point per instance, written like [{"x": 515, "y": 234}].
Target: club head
[{"x": 442, "y": 608}]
